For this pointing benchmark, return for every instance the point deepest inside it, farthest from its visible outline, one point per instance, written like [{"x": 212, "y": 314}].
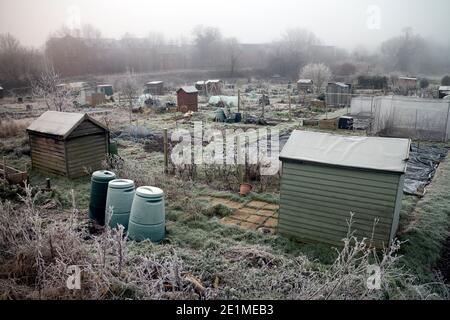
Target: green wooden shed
[{"x": 327, "y": 177}]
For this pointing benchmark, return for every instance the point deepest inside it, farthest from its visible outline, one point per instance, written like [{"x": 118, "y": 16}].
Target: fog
[{"x": 344, "y": 23}]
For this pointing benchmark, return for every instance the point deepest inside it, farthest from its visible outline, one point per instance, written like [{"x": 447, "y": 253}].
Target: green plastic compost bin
[
  {"x": 147, "y": 217},
  {"x": 99, "y": 190},
  {"x": 118, "y": 202}
]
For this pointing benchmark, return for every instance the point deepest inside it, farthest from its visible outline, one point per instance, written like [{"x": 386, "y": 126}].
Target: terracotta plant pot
[{"x": 245, "y": 189}]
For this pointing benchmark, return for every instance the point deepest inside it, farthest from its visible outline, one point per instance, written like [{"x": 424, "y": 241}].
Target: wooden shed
[
  {"x": 406, "y": 85},
  {"x": 106, "y": 89},
  {"x": 65, "y": 143},
  {"x": 214, "y": 87},
  {"x": 155, "y": 88},
  {"x": 305, "y": 86},
  {"x": 327, "y": 177},
  {"x": 187, "y": 97}
]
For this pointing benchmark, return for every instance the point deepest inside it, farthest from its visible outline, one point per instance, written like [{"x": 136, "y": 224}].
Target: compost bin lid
[
  {"x": 149, "y": 192},
  {"x": 121, "y": 183},
  {"x": 103, "y": 175}
]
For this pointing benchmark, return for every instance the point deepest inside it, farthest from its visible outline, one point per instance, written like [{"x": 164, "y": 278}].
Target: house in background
[
  {"x": 155, "y": 88},
  {"x": 187, "y": 97},
  {"x": 67, "y": 144}
]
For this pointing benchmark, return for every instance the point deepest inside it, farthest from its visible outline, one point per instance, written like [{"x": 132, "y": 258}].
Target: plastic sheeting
[
  {"x": 422, "y": 164},
  {"x": 229, "y": 101}
]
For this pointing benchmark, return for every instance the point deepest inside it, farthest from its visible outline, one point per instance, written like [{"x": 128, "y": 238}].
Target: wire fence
[{"x": 409, "y": 117}]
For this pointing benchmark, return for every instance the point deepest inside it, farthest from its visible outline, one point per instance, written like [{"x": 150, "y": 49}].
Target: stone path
[{"x": 254, "y": 215}]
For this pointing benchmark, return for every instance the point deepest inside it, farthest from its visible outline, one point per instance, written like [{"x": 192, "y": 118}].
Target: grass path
[{"x": 429, "y": 227}]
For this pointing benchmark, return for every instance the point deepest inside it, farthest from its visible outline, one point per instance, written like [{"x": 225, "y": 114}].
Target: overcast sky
[{"x": 346, "y": 23}]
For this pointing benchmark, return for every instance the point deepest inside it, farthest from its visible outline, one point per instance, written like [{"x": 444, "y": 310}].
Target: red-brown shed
[{"x": 187, "y": 97}]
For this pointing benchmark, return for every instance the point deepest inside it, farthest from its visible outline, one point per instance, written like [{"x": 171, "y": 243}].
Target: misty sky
[{"x": 346, "y": 23}]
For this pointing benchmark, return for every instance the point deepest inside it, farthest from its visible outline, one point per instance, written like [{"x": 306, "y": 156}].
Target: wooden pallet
[{"x": 12, "y": 175}]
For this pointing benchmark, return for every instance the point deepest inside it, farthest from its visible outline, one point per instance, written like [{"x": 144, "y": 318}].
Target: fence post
[
  {"x": 239, "y": 100},
  {"x": 447, "y": 127},
  {"x": 166, "y": 151},
  {"x": 239, "y": 156},
  {"x": 290, "y": 112},
  {"x": 5, "y": 171}
]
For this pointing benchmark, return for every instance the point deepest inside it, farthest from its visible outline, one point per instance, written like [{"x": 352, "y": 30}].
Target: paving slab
[
  {"x": 229, "y": 221},
  {"x": 266, "y": 213},
  {"x": 271, "y": 206},
  {"x": 241, "y": 214},
  {"x": 257, "y": 219},
  {"x": 271, "y": 223},
  {"x": 248, "y": 225},
  {"x": 256, "y": 204},
  {"x": 233, "y": 204}
]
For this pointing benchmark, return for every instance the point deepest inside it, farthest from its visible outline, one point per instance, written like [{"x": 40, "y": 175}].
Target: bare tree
[
  {"x": 319, "y": 73},
  {"x": 233, "y": 50},
  {"x": 17, "y": 63},
  {"x": 47, "y": 86},
  {"x": 130, "y": 89},
  {"x": 207, "y": 41}
]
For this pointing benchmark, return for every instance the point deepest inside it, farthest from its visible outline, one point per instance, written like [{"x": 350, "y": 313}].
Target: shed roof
[
  {"x": 155, "y": 82},
  {"x": 444, "y": 88},
  {"x": 305, "y": 81},
  {"x": 60, "y": 123},
  {"x": 1, "y": 88},
  {"x": 408, "y": 78},
  {"x": 213, "y": 81},
  {"x": 201, "y": 82},
  {"x": 188, "y": 89},
  {"x": 340, "y": 84},
  {"x": 385, "y": 154}
]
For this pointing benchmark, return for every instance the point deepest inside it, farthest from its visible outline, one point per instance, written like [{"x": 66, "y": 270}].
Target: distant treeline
[{"x": 75, "y": 53}]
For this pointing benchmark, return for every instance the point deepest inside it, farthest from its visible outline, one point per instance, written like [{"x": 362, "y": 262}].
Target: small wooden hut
[
  {"x": 66, "y": 144},
  {"x": 155, "y": 88},
  {"x": 188, "y": 97}
]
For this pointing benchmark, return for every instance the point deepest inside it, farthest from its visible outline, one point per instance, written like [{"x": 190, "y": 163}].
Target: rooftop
[
  {"x": 188, "y": 89},
  {"x": 385, "y": 154},
  {"x": 59, "y": 123}
]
